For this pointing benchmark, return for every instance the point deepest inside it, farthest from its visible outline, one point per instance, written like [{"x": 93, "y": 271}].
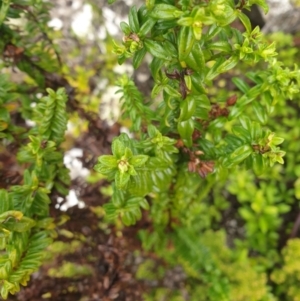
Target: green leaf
[
  {"x": 170, "y": 49},
  {"x": 35, "y": 143},
  {"x": 125, "y": 28},
  {"x": 128, "y": 218},
  {"x": 262, "y": 3},
  {"x": 213, "y": 71},
  {"x": 195, "y": 59},
  {"x": 4, "y": 115},
  {"x": 17, "y": 215},
  {"x": 4, "y": 10},
  {"x": 4, "y": 292},
  {"x": 141, "y": 184},
  {"x": 132, "y": 171},
  {"x": 223, "y": 46},
  {"x": 228, "y": 64},
  {"x": 155, "y": 67},
  {"x": 108, "y": 160},
  {"x": 239, "y": 155},
  {"x": 122, "y": 179},
  {"x": 279, "y": 156},
  {"x": 165, "y": 12},
  {"x": 39, "y": 241},
  {"x": 152, "y": 131},
  {"x": 235, "y": 112},
  {"x": 51, "y": 115},
  {"x": 146, "y": 27},
  {"x": 246, "y": 22},
  {"x": 277, "y": 140},
  {"x": 186, "y": 21},
  {"x": 156, "y": 90},
  {"x": 283, "y": 208},
  {"x": 263, "y": 224},
  {"x": 260, "y": 112},
  {"x": 197, "y": 81},
  {"x": 233, "y": 141},
  {"x": 241, "y": 84},
  {"x": 144, "y": 204},
  {"x": 19, "y": 225},
  {"x": 241, "y": 133},
  {"x": 213, "y": 30},
  {"x": 156, "y": 49},
  {"x": 187, "y": 108},
  {"x": 185, "y": 42},
  {"x": 139, "y": 160},
  {"x": 5, "y": 201},
  {"x": 246, "y": 213},
  {"x": 256, "y": 131},
  {"x": 133, "y": 20},
  {"x": 185, "y": 130},
  {"x": 105, "y": 170},
  {"x": 110, "y": 211},
  {"x": 246, "y": 122},
  {"x": 118, "y": 148},
  {"x": 197, "y": 31},
  {"x": 271, "y": 210},
  {"x": 258, "y": 163},
  {"x": 128, "y": 153},
  {"x": 172, "y": 92}
]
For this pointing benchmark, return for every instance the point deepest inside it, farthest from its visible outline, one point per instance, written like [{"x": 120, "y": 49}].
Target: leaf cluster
[
  {"x": 220, "y": 146},
  {"x": 26, "y": 228}
]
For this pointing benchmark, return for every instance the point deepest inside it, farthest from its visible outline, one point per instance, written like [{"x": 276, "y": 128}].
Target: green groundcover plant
[{"x": 203, "y": 155}]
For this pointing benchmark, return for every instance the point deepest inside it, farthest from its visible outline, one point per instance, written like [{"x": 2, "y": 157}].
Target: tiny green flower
[{"x": 121, "y": 165}]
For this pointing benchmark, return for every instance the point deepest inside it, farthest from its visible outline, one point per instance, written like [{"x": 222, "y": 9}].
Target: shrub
[{"x": 201, "y": 155}]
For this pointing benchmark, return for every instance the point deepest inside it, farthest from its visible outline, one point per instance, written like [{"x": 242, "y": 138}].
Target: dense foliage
[{"x": 201, "y": 163}]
